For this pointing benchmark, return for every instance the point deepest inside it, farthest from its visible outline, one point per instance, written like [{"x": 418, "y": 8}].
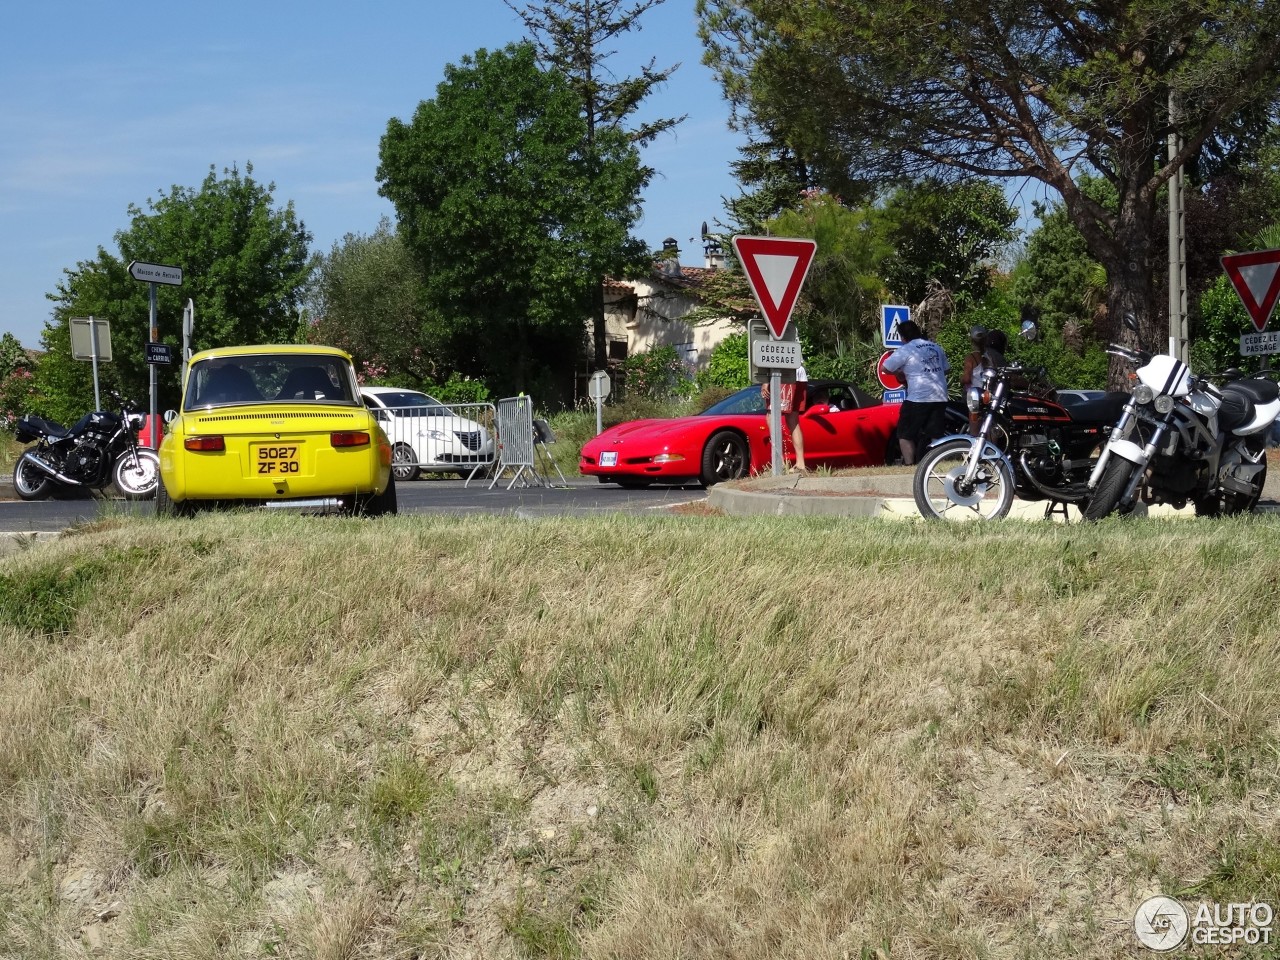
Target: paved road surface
[{"x": 580, "y": 497}]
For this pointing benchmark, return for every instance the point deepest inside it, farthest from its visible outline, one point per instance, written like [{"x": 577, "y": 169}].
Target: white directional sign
[{"x": 155, "y": 273}]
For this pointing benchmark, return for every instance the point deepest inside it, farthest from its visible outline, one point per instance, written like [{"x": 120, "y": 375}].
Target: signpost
[
  {"x": 599, "y": 387},
  {"x": 151, "y": 274},
  {"x": 776, "y": 268},
  {"x": 91, "y": 340}
]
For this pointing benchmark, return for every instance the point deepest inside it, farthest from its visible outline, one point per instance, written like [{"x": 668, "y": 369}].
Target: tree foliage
[
  {"x": 572, "y": 37},
  {"x": 245, "y": 267},
  {"x": 510, "y": 219},
  {"x": 367, "y": 298},
  {"x": 1005, "y": 88}
]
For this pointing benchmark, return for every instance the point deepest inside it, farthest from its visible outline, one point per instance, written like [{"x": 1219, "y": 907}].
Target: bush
[{"x": 657, "y": 374}]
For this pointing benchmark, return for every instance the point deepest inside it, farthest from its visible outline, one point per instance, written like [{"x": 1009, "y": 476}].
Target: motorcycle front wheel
[
  {"x": 942, "y": 494},
  {"x": 30, "y": 482},
  {"x": 1110, "y": 488},
  {"x": 137, "y": 473}
]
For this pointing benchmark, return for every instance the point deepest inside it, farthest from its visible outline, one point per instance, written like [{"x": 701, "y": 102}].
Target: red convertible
[{"x": 842, "y": 427}]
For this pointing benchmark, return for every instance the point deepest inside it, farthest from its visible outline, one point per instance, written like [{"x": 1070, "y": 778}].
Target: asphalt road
[{"x": 580, "y": 497}]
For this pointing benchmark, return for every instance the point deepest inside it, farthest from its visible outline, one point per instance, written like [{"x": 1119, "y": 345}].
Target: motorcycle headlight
[
  {"x": 1164, "y": 403},
  {"x": 1143, "y": 394}
]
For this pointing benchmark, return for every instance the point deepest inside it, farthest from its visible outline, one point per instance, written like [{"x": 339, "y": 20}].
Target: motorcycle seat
[
  {"x": 54, "y": 431},
  {"x": 1103, "y": 410},
  {"x": 1259, "y": 391},
  {"x": 1236, "y": 408}
]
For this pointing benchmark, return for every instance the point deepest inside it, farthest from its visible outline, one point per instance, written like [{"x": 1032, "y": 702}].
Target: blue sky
[{"x": 108, "y": 104}]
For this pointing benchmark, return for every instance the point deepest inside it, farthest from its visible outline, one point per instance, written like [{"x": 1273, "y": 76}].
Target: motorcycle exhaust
[{"x": 61, "y": 478}]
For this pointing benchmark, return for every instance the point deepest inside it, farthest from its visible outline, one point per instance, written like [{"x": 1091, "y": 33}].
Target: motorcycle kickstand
[{"x": 1053, "y": 506}]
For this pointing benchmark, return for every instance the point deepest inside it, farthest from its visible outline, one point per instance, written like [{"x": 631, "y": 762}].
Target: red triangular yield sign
[
  {"x": 1256, "y": 277},
  {"x": 775, "y": 268}
]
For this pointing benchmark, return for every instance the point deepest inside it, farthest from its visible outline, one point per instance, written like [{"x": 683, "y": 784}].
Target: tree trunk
[
  {"x": 1131, "y": 289},
  {"x": 598, "y": 328}
]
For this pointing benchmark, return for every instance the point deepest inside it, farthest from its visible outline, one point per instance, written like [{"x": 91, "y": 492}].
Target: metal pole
[
  {"x": 152, "y": 432},
  {"x": 599, "y": 407},
  {"x": 93, "y": 354},
  {"x": 1178, "y": 346},
  {"x": 775, "y": 420}
]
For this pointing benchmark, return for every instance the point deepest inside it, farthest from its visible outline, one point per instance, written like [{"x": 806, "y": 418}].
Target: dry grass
[{"x": 637, "y": 737}]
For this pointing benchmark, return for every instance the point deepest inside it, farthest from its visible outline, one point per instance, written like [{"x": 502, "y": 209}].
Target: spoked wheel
[
  {"x": 942, "y": 494},
  {"x": 30, "y": 482},
  {"x": 137, "y": 474}
]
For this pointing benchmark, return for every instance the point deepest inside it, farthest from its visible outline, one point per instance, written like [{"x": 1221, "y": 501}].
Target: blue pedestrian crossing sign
[{"x": 891, "y": 317}]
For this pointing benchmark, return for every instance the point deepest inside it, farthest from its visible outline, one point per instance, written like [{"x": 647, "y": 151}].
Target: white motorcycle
[{"x": 1181, "y": 439}]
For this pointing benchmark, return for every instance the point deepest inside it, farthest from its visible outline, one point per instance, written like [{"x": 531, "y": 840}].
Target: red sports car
[{"x": 842, "y": 427}]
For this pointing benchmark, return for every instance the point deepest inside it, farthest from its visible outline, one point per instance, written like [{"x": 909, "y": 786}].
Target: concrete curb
[
  {"x": 19, "y": 541},
  {"x": 887, "y": 496}
]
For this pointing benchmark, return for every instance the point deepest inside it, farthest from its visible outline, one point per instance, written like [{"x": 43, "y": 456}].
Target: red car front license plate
[{"x": 609, "y": 458}]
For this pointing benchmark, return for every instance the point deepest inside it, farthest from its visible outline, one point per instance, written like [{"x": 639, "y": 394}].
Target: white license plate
[{"x": 609, "y": 458}]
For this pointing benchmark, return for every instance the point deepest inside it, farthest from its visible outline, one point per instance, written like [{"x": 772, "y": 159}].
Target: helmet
[{"x": 978, "y": 335}]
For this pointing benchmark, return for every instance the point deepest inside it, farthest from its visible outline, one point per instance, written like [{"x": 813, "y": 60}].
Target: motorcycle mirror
[
  {"x": 1130, "y": 322},
  {"x": 170, "y": 416},
  {"x": 1030, "y": 331}
]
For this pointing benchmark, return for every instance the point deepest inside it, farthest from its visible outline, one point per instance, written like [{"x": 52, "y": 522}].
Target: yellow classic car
[{"x": 275, "y": 426}]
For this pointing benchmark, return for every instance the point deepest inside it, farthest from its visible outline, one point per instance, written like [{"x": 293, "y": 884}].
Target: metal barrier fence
[
  {"x": 515, "y": 441},
  {"x": 456, "y": 438}
]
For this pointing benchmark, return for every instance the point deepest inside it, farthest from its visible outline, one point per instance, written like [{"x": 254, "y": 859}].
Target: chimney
[
  {"x": 670, "y": 257},
  {"x": 712, "y": 251}
]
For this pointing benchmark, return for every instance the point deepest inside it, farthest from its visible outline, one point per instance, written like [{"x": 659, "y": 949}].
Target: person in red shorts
[{"x": 791, "y": 402}]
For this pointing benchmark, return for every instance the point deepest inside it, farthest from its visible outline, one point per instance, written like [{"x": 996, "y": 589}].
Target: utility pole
[{"x": 1178, "y": 334}]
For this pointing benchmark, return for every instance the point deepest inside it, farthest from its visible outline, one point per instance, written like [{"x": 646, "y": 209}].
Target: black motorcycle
[
  {"x": 99, "y": 449},
  {"x": 1028, "y": 445}
]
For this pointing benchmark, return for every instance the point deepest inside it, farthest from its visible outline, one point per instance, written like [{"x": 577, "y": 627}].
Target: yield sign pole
[{"x": 775, "y": 268}]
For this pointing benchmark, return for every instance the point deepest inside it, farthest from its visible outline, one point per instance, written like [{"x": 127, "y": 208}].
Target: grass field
[{"x": 271, "y": 736}]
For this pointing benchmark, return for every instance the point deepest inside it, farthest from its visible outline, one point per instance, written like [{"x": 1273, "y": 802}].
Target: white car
[{"x": 426, "y": 435}]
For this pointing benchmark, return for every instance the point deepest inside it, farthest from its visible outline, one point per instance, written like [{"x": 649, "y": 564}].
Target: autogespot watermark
[{"x": 1162, "y": 923}]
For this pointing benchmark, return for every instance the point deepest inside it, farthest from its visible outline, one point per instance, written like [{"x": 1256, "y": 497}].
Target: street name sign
[
  {"x": 159, "y": 353},
  {"x": 155, "y": 273},
  {"x": 775, "y": 268},
  {"x": 1256, "y": 277}
]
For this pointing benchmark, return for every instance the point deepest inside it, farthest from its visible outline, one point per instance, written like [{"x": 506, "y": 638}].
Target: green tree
[
  {"x": 572, "y": 36},
  {"x": 367, "y": 298},
  {"x": 844, "y": 289},
  {"x": 245, "y": 267},
  {"x": 947, "y": 234},
  {"x": 1008, "y": 89},
  {"x": 510, "y": 219}
]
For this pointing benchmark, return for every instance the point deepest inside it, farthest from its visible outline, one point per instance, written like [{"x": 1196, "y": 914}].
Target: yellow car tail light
[
  {"x": 206, "y": 444},
  {"x": 349, "y": 438}
]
